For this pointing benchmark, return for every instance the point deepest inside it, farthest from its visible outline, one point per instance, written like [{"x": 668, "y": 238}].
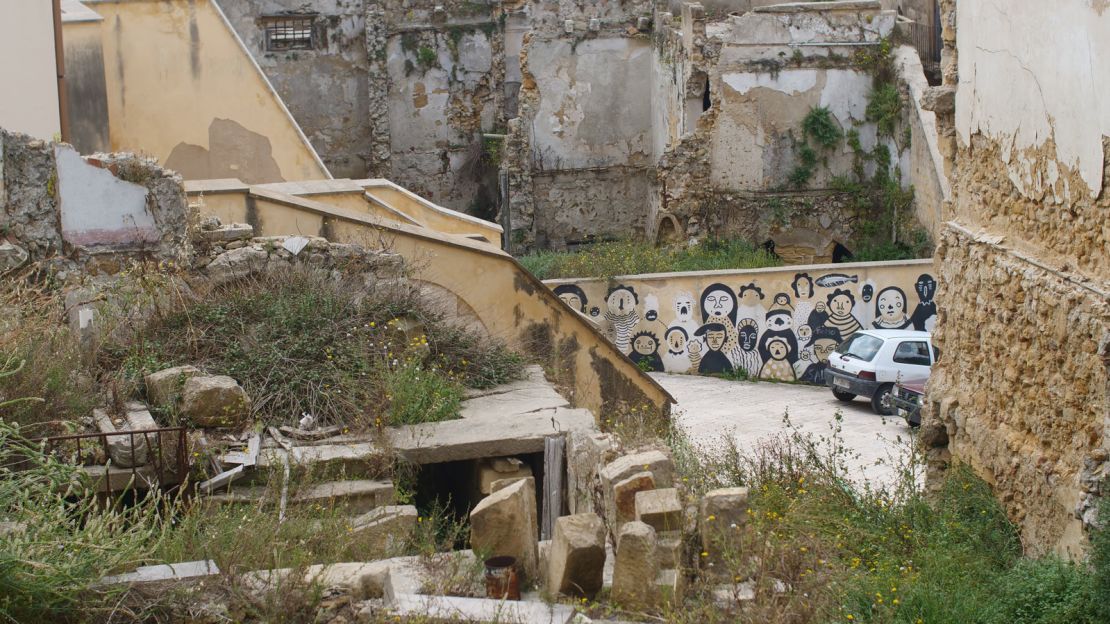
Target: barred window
[{"x": 290, "y": 32}]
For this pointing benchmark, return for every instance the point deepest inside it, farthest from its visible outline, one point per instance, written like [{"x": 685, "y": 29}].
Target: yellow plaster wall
[
  {"x": 29, "y": 97},
  {"x": 182, "y": 89},
  {"x": 431, "y": 215}
]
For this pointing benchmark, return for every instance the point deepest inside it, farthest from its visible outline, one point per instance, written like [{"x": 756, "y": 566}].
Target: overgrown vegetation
[
  {"x": 609, "y": 259},
  {"x": 301, "y": 341},
  {"x": 851, "y": 552}
]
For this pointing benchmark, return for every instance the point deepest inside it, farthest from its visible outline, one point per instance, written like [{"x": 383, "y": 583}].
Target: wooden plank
[{"x": 222, "y": 480}]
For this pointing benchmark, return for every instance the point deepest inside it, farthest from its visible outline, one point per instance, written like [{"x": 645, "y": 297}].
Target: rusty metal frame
[{"x": 157, "y": 460}]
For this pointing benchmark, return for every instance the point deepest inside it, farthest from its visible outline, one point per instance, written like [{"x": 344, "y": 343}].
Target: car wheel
[
  {"x": 843, "y": 396},
  {"x": 881, "y": 403}
]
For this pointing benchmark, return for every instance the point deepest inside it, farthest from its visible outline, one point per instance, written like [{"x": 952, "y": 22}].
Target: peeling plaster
[
  {"x": 1033, "y": 72},
  {"x": 790, "y": 83}
]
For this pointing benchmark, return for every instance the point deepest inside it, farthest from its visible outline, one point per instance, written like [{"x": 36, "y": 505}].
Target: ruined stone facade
[
  {"x": 1022, "y": 392},
  {"x": 574, "y": 121}
]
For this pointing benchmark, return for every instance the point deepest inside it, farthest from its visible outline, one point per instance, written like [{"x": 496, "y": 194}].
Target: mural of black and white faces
[
  {"x": 924, "y": 316},
  {"x": 621, "y": 316},
  {"x": 769, "y": 325},
  {"x": 890, "y": 309},
  {"x": 573, "y": 296}
]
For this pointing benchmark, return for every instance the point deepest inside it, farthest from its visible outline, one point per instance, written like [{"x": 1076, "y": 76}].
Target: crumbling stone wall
[
  {"x": 1022, "y": 392},
  {"x": 91, "y": 212}
]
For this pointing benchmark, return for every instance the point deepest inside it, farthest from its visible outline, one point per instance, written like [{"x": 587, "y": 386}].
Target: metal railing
[{"x": 156, "y": 457}]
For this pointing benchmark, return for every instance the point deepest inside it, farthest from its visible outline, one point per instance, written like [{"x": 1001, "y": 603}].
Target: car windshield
[{"x": 861, "y": 346}]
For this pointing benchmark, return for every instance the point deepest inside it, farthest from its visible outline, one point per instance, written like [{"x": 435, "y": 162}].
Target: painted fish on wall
[{"x": 832, "y": 280}]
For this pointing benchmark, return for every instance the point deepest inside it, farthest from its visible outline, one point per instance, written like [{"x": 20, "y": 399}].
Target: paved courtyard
[{"x": 709, "y": 409}]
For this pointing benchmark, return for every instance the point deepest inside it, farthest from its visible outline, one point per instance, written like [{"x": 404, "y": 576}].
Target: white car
[{"x": 872, "y": 361}]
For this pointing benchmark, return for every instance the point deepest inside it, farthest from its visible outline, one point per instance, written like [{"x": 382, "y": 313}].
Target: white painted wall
[
  {"x": 28, "y": 73},
  {"x": 1033, "y": 71}
]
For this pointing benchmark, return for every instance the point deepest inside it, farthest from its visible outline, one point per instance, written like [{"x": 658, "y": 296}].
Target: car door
[{"x": 912, "y": 359}]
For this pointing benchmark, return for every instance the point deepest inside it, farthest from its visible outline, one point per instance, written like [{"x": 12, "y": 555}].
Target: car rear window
[
  {"x": 912, "y": 352},
  {"x": 861, "y": 346}
]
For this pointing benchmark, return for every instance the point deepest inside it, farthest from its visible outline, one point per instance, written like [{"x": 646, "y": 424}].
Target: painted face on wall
[
  {"x": 644, "y": 344},
  {"x": 891, "y": 305},
  {"x": 840, "y": 306},
  {"x": 802, "y": 286},
  {"x": 823, "y": 348},
  {"x": 572, "y": 300},
  {"x": 749, "y": 336},
  {"x": 867, "y": 292},
  {"x": 684, "y": 307},
  {"x": 573, "y": 296},
  {"x": 782, "y": 300},
  {"x": 779, "y": 321},
  {"x": 676, "y": 339},
  {"x": 750, "y": 297},
  {"x": 621, "y": 301},
  {"x": 719, "y": 303},
  {"x": 715, "y": 339},
  {"x": 926, "y": 287},
  {"x": 805, "y": 332},
  {"x": 778, "y": 349}
]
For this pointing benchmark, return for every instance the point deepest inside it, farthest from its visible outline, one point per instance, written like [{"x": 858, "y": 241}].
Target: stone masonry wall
[{"x": 1022, "y": 392}]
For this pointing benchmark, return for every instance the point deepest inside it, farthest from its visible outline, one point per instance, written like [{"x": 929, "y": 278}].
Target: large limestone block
[
  {"x": 656, "y": 462},
  {"x": 214, "y": 401},
  {"x": 587, "y": 453},
  {"x": 577, "y": 556},
  {"x": 163, "y": 387},
  {"x": 662, "y": 509},
  {"x": 636, "y": 568},
  {"x": 669, "y": 548},
  {"x": 623, "y": 507},
  {"x": 721, "y": 514},
  {"x": 387, "y": 527},
  {"x": 505, "y": 524},
  {"x": 491, "y": 470}
]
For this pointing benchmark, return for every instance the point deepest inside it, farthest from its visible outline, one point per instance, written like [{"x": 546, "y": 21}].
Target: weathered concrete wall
[
  {"x": 85, "y": 87},
  {"x": 182, "y": 88},
  {"x": 715, "y": 322},
  {"x": 607, "y": 202},
  {"x": 326, "y": 88},
  {"x": 926, "y": 169},
  {"x": 92, "y": 211},
  {"x": 1023, "y": 391},
  {"x": 29, "y": 99}
]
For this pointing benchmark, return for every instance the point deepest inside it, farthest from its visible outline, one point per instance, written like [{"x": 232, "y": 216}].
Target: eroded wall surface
[
  {"x": 1023, "y": 392},
  {"x": 776, "y": 324},
  {"x": 182, "y": 89}
]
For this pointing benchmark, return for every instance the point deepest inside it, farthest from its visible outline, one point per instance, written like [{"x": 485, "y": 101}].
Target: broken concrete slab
[
  {"x": 225, "y": 233},
  {"x": 492, "y": 434},
  {"x": 530, "y": 394},
  {"x": 363, "y": 580},
  {"x": 160, "y": 573},
  {"x": 587, "y": 452},
  {"x": 358, "y": 496},
  {"x": 164, "y": 387},
  {"x": 452, "y": 609},
  {"x": 577, "y": 556},
  {"x": 623, "y": 508},
  {"x": 505, "y": 524},
  {"x": 662, "y": 509},
  {"x": 636, "y": 568}
]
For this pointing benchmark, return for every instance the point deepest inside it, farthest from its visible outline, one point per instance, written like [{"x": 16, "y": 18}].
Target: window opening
[{"x": 290, "y": 32}]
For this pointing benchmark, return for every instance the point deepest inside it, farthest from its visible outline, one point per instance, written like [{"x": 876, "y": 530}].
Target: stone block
[
  {"x": 165, "y": 386},
  {"x": 655, "y": 462},
  {"x": 225, "y": 233},
  {"x": 214, "y": 401},
  {"x": 160, "y": 573},
  {"x": 491, "y": 470},
  {"x": 12, "y": 257},
  {"x": 662, "y": 509},
  {"x": 505, "y": 524},
  {"x": 623, "y": 508},
  {"x": 670, "y": 548},
  {"x": 587, "y": 452},
  {"x": 671, "y": 585},
  {"x": 636, "y": 568},
  {"x": 577, "y": 556},
  {"x": 721, "y": 513}
]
